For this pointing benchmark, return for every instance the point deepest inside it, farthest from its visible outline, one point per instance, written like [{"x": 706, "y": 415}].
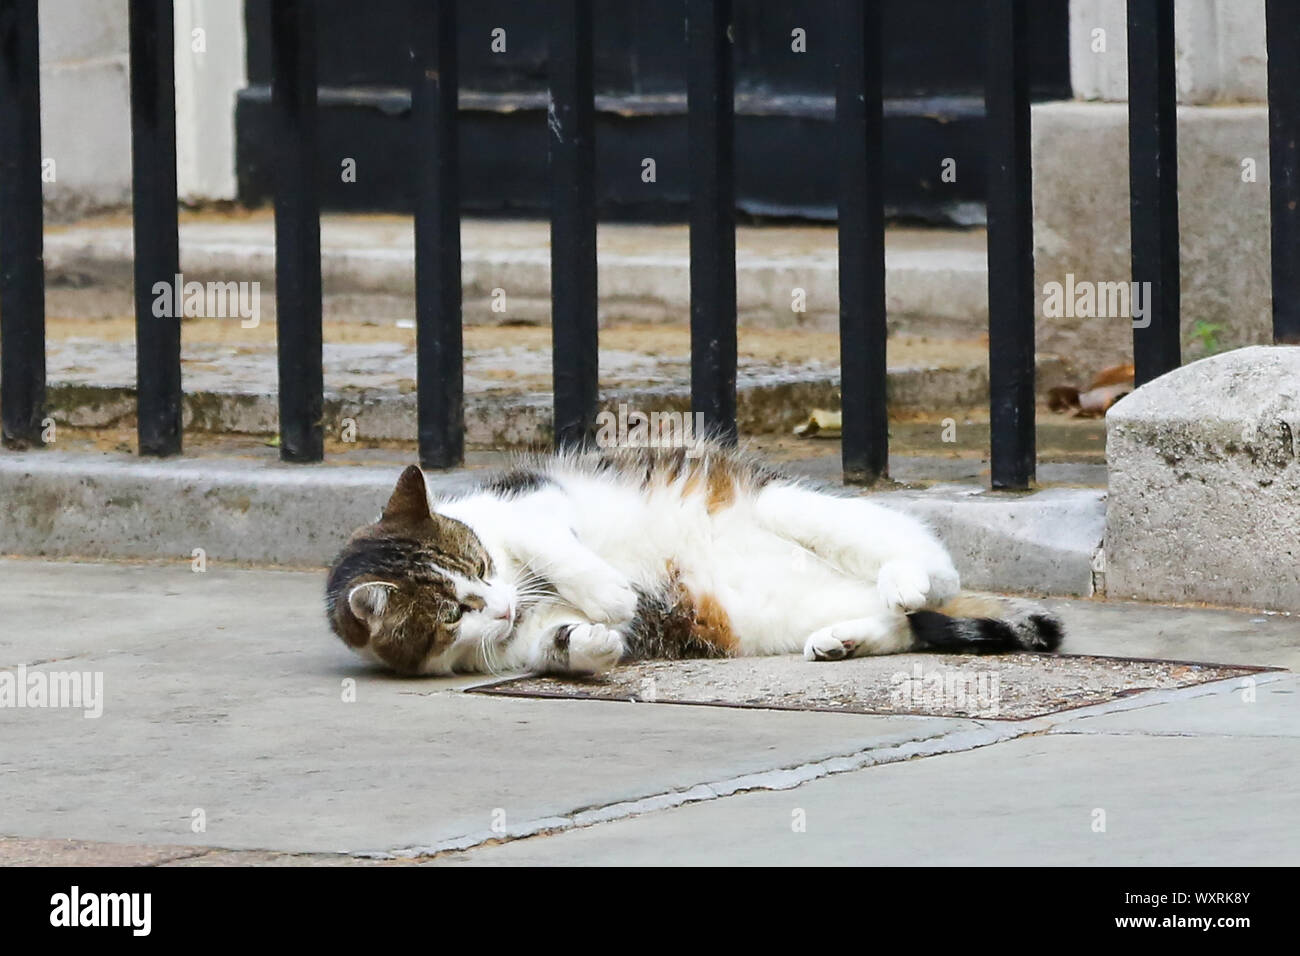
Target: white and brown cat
[{"x": 575, "y": 562}]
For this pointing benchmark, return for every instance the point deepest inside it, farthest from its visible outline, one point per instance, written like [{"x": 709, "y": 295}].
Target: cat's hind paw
[
  {"x": 593, "y": 648},
  {"x": 823, "y": 645},
  {"x": 854, "y": 638}
]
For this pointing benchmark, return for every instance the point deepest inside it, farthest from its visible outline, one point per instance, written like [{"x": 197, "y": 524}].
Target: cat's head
[{"x": 416, "y": 588}]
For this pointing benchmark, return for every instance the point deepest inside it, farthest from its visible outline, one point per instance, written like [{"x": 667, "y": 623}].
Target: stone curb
[{"x": 65, "y": 504}]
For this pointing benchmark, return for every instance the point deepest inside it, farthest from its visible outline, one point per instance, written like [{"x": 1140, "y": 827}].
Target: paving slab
[
  {"x": 263, "y": 858},
  {"x": 20, "y": 851},
  {"x": 23, "y": 851},
  {"x": 1035, "y": 801},
  {"x": 228, "y": 728},
  {"x": 1254, "y": 708},
  {"x": 1191, "y": 633},
  {"x": 224, "y": 702}
]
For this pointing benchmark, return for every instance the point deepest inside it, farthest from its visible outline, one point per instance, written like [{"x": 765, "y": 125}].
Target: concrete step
[
  {"x": 936, "y": 279},
  {"x": 229, "y": 377}
]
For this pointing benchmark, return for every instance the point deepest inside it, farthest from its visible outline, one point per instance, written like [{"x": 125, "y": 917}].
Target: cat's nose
[{"x": 505, "y": 614}]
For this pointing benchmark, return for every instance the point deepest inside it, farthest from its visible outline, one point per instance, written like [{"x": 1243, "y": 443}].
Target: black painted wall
[{"x": 933, "y": 77}]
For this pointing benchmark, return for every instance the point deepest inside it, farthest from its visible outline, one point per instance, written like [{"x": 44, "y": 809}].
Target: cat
[{"x": 574, "y": 562}]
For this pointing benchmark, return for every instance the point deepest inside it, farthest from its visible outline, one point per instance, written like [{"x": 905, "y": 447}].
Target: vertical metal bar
[
  {"x": 1283, "y": 26},
  {"x": 859, "y": 127},
  {"x": 439, "y": 357},
  {"x": 157, "y": 244},
  {"x": 1153, "y": 185},
  {"x": 713, "y": 214},
  {"x": 22, "y": 265},
  {"x": 1010, "y": 247},
  {"x": 297, "y": 229},
  {"x": 572, "y": 140}
]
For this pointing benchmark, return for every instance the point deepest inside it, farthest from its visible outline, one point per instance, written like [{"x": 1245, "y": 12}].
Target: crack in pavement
[
  {"x": 984, "y": 734},
  {"x": 784, "y": 778},
  {"x": 48, "y": 660},
  {"x": 1208, "y": 735}
]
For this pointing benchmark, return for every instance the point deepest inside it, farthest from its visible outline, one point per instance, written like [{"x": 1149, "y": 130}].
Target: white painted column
[
  {"x": 210, "y": 71},
  {"x": 85, "y": 106}
]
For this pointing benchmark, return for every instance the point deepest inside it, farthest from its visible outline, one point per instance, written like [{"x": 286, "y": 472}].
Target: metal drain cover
[{"x": 1003, "y": 687}]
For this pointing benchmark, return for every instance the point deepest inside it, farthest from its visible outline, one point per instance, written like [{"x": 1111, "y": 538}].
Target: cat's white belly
[{"x": 775, "y": 592}]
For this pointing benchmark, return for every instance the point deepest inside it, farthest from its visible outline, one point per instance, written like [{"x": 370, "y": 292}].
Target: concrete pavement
[
  {"x": 236, "y": 729},
  {"x": 1166, "y": 800}
]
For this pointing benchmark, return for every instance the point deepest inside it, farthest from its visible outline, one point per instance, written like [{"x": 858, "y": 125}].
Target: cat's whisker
[
  {"x": 485, "y": 654},
  {"x": 495, "y": 664},
  {"x": 490, "y": 652}
]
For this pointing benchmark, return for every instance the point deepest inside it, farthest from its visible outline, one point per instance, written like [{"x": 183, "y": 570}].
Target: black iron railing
[
  {"x": 22, "y": 266},
  {"x": 711, "y": 144},
  {"x": 297, "y": 231},
  {"x": 440, "y": 380},
  {"x": 156, "y": 230},
  {"x": 434, "y": 91},
  {"x": 1283, "y": 30},
  {"x": 1010, "y": 246},
  {"x": 859, "y": 118},
  {"x": 571, "y": 147},
  {"x": 1153, "y": 183}
]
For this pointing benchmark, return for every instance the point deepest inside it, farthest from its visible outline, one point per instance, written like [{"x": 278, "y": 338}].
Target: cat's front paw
[
  {"x": 593, "y": 648},
  {"x": 905, "y": 586},
  {"x": 608, "y": 601}
]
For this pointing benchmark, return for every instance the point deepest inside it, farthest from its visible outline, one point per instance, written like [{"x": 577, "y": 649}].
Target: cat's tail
[{"x": 973, "y": 623}]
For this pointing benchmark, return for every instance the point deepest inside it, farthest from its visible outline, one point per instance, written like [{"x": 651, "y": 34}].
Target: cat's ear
[
  {"x": 409, "y": 503},
  {"x": 369, "y": 601}
]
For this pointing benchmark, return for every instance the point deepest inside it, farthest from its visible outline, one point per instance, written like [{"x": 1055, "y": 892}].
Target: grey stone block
[{"x": 1204, "y": 467}]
